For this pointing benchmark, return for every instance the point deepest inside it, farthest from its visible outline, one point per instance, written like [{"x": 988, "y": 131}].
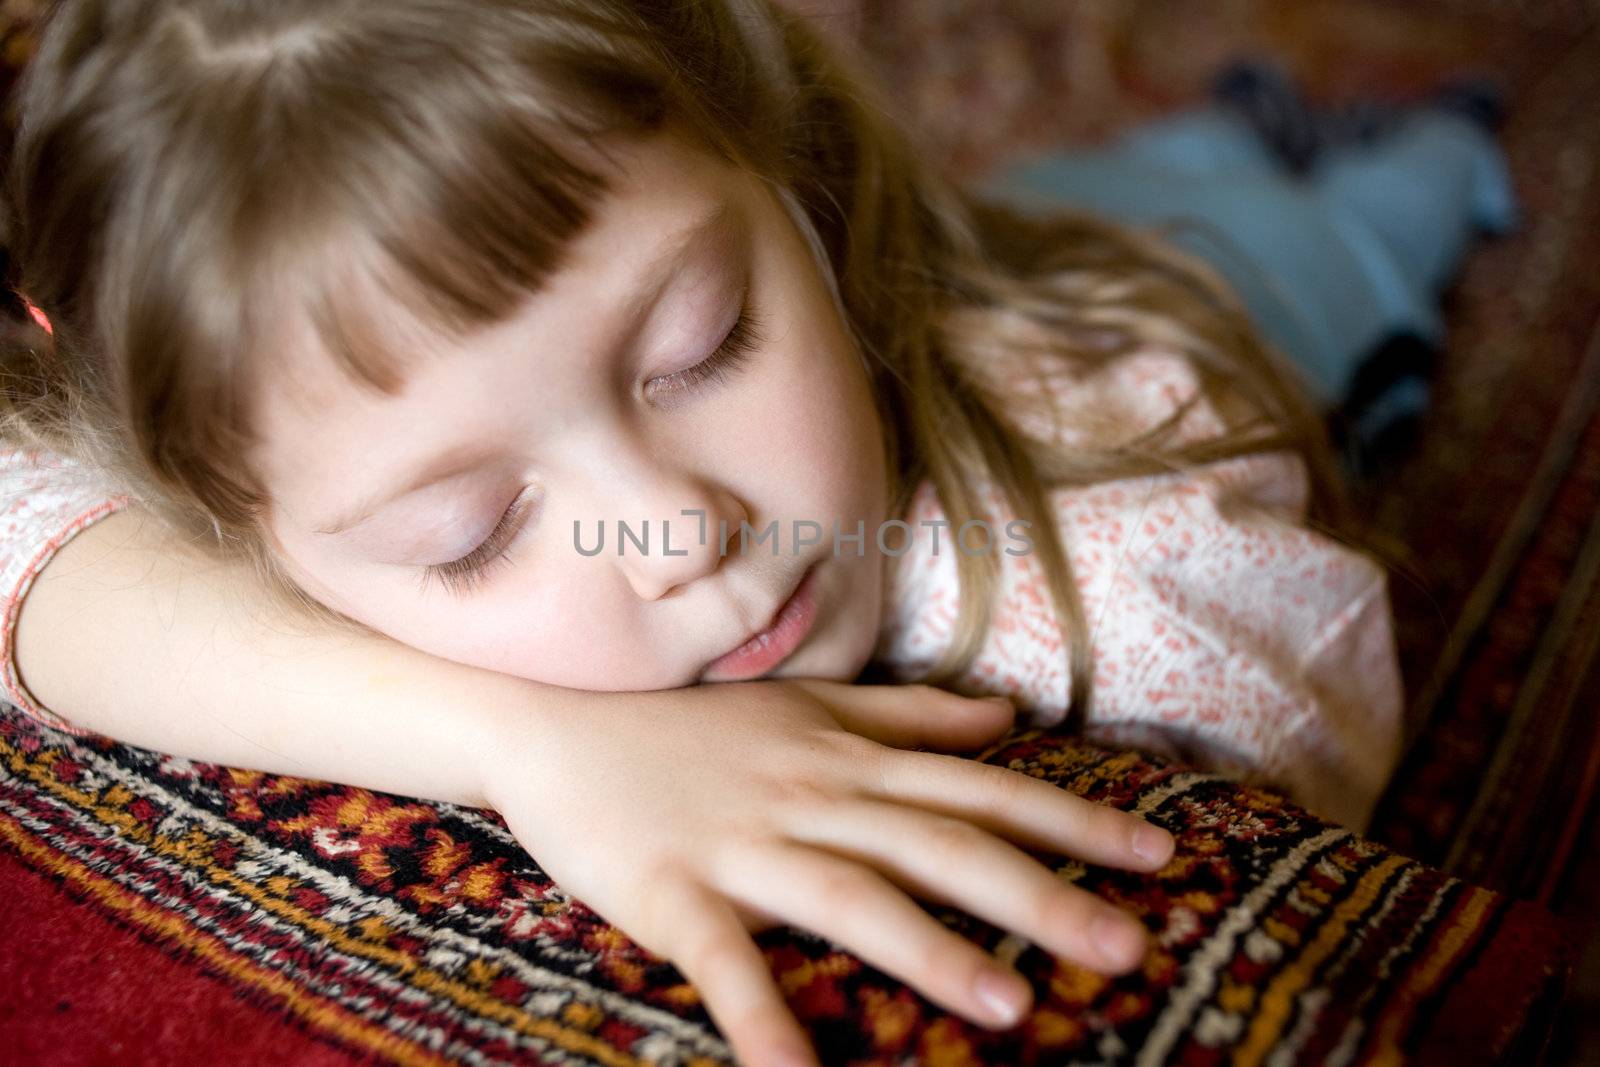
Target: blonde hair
[{"x": 181, "y": 165}]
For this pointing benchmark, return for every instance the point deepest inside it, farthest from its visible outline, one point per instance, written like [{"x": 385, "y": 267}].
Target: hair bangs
[
  {"x": 435, "y": 208},
  {"x": 433, "y": 254}
]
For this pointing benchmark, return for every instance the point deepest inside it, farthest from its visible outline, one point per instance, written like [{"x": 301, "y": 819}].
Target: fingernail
[
  {"x": 1005, "y": 995},
  {"x": 1120, "y": 940},
  {"x": 1152, "y": 843},
  {"x": 1004, "y": 702}
]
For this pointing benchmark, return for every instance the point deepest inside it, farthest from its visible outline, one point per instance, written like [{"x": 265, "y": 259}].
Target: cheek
[
  {"x": 814, "y": 430},
  {"x": 530, "y": 635}
]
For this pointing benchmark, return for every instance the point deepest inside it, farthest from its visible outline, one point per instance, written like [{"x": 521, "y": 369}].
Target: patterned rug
[{"x": 420, "y": 932}]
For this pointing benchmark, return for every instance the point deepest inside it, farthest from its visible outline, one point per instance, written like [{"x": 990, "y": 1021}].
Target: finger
[
  {"x": 720, "y": 959},
  {"x": 861, "y": 910},
  {"x": 954, "y": 862},
  {"x": 1040, "y": 814},
  {"x": 909, "y": 716}
]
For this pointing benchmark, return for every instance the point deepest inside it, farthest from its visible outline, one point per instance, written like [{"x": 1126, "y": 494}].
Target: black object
[
  {"x": 1266, "y": 96},
  {"x": 1370, "y": 429},
  {"x": 1269, "y": 100},
  {"x": 1479, "y": 99}
]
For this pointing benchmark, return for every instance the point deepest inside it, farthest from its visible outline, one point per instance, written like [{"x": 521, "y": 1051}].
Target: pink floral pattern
[{"x": 1223, "y": 631}]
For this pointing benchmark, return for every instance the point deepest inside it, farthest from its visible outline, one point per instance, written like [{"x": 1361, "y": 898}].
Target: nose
[{"x": 674, "y": 517}]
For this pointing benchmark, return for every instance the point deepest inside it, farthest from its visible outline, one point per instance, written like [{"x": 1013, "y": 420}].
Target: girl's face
[{"x": 593, "y": 405}]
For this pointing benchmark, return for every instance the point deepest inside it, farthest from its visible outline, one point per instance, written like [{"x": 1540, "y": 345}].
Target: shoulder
[
  {"x": 1109, "y": 404},
  {"x": 1099, "y": 408},
  {"x": 46, "y": 496},
  {"x": 42, "y": 475},
  {"x": 45, "y": 500}
]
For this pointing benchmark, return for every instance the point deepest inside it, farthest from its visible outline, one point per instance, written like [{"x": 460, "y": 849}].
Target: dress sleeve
[
  {"x": 1338, "y": 754},
  {"x": 1228, "y": 633},
  {"x": 46, "y": 499},
  {"x": 1223, "y": 631}
]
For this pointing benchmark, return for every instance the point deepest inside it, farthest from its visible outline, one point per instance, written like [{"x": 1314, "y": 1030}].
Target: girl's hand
[{"x": 692, "y": 818}]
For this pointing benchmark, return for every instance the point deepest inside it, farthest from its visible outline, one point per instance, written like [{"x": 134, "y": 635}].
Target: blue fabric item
[{"x": 1328, "y": 265}]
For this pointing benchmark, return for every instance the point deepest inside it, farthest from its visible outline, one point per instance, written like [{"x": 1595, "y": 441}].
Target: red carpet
[
  {"x": 421, "y": 933},
  {"x": 81, "y": 989}
]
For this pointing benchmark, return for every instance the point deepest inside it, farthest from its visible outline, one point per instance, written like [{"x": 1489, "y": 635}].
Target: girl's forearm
[{"x": 131, "y": 633}]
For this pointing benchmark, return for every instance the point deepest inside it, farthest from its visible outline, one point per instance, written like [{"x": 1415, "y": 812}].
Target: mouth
[{"x": 789, "y": 626}]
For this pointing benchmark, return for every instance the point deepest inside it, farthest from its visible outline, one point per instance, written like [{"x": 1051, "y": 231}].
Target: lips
[{"x": 763, "y": 651}]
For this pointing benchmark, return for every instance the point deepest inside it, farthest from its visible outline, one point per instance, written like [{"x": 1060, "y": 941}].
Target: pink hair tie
[{"x": 38, "y": 316}]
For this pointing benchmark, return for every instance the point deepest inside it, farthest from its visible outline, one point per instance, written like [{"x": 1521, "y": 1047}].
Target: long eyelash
[
  {"x": 747, "y": 334},
  {"x": 460, "y": 576}
]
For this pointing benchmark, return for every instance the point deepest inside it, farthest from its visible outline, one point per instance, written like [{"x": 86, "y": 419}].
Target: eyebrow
[{"x": 716, "y": 229}]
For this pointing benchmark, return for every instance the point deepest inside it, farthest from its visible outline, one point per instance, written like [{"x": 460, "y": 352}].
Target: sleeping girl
[{"x": 356, "y": 321}]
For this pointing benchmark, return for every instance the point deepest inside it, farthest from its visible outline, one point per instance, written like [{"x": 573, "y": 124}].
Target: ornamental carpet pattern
[{"x": 420, "y": 932}]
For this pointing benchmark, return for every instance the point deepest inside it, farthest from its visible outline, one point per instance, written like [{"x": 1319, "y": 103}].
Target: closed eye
[
  {"x": 746, "y": 335},
  {"x": 461, "y": 575}
]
